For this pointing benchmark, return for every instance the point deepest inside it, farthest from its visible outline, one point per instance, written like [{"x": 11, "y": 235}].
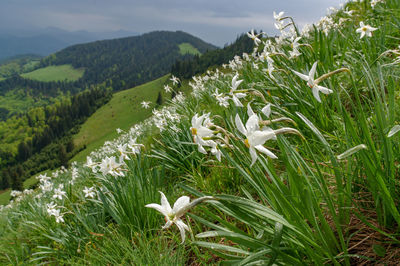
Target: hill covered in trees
[
  {"x": 126, "y": 62},
  {"x": 190, "y": 66}
]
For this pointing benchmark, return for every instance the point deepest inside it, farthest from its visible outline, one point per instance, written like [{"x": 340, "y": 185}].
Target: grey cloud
[{"x": 217, "y": 21}]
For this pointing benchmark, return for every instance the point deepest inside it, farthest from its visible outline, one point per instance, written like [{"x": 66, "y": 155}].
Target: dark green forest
[{"x": 41, "y": 138}]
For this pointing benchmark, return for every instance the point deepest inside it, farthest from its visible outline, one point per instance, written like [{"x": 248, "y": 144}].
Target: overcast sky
[{"x": 215, "y": 21}]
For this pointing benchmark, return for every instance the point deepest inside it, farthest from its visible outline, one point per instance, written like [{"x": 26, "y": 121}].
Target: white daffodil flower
[
  {"x": 200, "y": 130},
  {"x": 312, "y": 83},
  {"x": 236, "y": 96},
  {"x": 222, "y": 100},
  {"x": 167, "y": 88},
  {"x": 89, "y": 192},
  {"x": 365, "y": 30},
  {"x": 58, "y": 193},
  {"x": 110, "y": 166},
  {"x": 145, "y": 105},
  {"x": 254, "y": 37},
  {"x": 174, "y": 80},
  {"x": 295, "y": 46},
  {"x": 255, "y": 138},
  {"x": 173, "y": 215}
]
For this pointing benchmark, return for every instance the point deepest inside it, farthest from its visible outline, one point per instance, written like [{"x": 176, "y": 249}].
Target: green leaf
[{"x": 379, "y": 250}]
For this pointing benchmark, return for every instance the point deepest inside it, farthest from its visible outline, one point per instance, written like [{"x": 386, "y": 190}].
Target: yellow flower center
[
  {"x": 194, "y": 131},
  {"x": 364, "y": 28},
  {"x": 246, "y": 142}
]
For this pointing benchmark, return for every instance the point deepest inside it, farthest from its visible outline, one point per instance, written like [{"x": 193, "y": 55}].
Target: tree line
[
  {"x": 42, "y": 138},
  {"x": 190, "y": 66}
]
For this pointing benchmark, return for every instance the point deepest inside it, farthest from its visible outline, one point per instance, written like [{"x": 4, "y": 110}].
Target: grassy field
[
  {"x": 187, "y": 48},
  {"x": 123, "y": 110},
  {"x": 55, "y": 73},
  {"x": 5, "y": 194}
]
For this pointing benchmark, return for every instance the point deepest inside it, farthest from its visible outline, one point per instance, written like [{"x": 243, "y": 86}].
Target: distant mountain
[
  {"x": 126, "y": 62},
  {"x": 46, "y": 41}
]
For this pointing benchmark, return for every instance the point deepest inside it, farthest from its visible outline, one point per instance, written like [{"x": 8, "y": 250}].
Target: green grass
[
  {"x": 5, "y": 194},
  {"x": 55, "y": 73},
  {"x": 122, "y": 111},
  {"x": 187, "y": 48}
]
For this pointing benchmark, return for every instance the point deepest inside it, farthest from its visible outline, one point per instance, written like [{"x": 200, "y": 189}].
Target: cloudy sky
[{"x": 215, "y": 21}]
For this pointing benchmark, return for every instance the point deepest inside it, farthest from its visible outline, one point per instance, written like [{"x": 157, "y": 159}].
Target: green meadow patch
[
  {"x": 123, "y": 111},
  {"x": 55, "y": 73},
  {"x": 187, "y": 48}
]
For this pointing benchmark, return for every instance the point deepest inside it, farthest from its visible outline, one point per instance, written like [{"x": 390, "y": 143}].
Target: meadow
[
  {"x": 122, "y": 111},
  {"x": 55, "y": 73},
  {"x": 187, "y": 48},
  {"x": 285, "y": 156}
]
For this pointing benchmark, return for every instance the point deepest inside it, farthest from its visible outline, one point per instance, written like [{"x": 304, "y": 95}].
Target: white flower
[
  {"x": 119, "y": 131},
  {"x": 312, "y": 84},
  {"x": 89, "y": 192},
  {"x": 200, "y": 130},
  {"x": 222, "y": 100},
  {"x": 279, "y": 23},
  {"x": 236, "y": 95},
  {"x": 58, "y": 193},
  {"x": 174, "y": 80},
  {"x": 110, "y": 166},
  {"x": 348, "y": 12},
  {"x": 255, "y": 138},
  {"x": 145, "y": 105},
  {"x": 173, "y": 215},
  {"x": 89, "y": 163},
  {"x": 365, "y": 30},
  {"x": 167, "y": 88},
  {"x": 295, "y": 46},
  {"x": 278, "y": 16},
  {"x": 254, "y": 37},
  {"x": 135, "y": 147}
]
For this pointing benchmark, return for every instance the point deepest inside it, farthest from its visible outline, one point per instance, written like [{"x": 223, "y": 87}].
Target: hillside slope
[
  {"x": 122, "y": 111},
  {"x": 289, "y": 156}
]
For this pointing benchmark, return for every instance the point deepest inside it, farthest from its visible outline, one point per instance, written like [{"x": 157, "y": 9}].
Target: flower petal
[
  {"x": 180, "y": 203},
  {"x": 158, "y": 208},
  {"x": 236, "y": 101},
  {"x": 302, "y": 76},
  {"x": 168, "y": 224},
  {"x": 253, "y": 155},
  {"x": 252, "y": 123},
  {"x": 250, "y": 111},
  {"x": 267, "y": 152},
  {"x": 312, "y": 71},
  {"x": 165, "y": 204},
  {"x": 239, "y": 125},
  {"x": 182, "y": 227},
  {"x": 324, "y": 90},
  {"x": 315, "y": 92},
  {"x": 260, "y": 137},
  {"x": 267, "y": 110}
]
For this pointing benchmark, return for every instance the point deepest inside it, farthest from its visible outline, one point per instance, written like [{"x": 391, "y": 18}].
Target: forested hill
[
  {"x": 127, "y": 62},
  {"x": 188, "y": 67}
]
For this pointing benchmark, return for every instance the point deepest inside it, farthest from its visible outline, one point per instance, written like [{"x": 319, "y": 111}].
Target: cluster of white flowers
[
  {"x": 209, "y": 137},
  {"x": 52, "y": 211}
]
